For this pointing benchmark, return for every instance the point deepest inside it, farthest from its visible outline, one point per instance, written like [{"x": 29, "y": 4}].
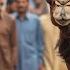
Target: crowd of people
[{"x": 27, "y": 36}]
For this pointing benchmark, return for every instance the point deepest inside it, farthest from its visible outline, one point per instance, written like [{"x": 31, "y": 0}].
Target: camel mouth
[{"x": 63, "y": 22}]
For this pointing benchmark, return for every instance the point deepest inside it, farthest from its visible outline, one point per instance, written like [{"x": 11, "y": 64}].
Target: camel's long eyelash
[
  {"x": 58, "y": 5},
  {"x": 67, "y": 5}
]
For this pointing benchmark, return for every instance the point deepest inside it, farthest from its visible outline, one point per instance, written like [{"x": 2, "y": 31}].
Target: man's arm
[{"x": 14, "y": 43}]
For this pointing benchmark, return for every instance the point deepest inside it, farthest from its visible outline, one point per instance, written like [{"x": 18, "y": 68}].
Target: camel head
[{"x": 60, "y": 12}]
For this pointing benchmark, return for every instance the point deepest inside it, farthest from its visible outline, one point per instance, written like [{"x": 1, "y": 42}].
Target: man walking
[
  {"x": 7, "y": 41},
  {"x": 30, "y": 38}
]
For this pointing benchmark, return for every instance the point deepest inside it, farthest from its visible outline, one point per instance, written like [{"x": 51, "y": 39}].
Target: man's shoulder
[
  {"x": 34, "y": 19},
  {"x": 9, "y": 19},
  {"x": 32, "y": 16},
  {"x": 13, "y": 15},
  {"x": 8, "y": 16}
]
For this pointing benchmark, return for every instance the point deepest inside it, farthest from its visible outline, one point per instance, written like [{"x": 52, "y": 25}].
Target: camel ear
[{"x": 49, "y": 1}]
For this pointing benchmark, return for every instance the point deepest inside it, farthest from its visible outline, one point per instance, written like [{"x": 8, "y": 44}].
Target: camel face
[{"x": 61, "y": 12}]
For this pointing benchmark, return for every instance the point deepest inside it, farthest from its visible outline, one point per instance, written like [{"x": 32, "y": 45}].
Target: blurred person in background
[
  {"x": 40, "y": 7},
  {"x": 11, "y": 6},
  {"x": 8, "y": 47},
  {"x": 30, "y": 38}
]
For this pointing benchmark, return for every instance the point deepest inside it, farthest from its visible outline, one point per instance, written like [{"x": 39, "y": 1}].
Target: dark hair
[{"x": 9, "y": 2}]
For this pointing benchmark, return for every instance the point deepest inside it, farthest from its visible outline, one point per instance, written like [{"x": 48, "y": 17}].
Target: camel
[{"x": 60, "y": 17}]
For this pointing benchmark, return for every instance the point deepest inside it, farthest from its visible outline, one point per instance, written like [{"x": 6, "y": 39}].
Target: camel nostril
[{"x": 62, "y": 13}]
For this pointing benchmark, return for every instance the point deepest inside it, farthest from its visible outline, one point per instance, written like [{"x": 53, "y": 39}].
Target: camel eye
[
  {"x": 58, "y": 5},
  {"x": 67, "y": 5}
]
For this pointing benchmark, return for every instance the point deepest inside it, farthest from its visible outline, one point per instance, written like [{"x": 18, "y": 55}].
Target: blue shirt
[
  {"x": 30, "y": 41},
  {"x": 32, "y": 3}
]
